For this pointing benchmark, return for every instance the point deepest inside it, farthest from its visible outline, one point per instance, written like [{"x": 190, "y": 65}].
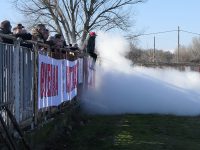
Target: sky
[
  {"x": 152, "y": 16},
  {"x": 9, "y": 12},
  {"x": 164, "y": 15}
]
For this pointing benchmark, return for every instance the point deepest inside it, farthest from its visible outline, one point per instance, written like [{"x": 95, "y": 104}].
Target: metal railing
[{"x": 18, "y": 77}]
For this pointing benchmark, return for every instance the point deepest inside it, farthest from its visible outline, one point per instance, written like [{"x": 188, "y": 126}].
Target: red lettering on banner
[
  {"x": 49, "y": 66},
  {"x": 48, "y": 80},
  {"x": 71, "y": 75},
  {"x": 53, "y": 81},
  {"x": 42, "y": 80},
  {"x": 75, "y": 77},
  {"x": 68, "y": 81},
  {"x": 56, "y": 81}
]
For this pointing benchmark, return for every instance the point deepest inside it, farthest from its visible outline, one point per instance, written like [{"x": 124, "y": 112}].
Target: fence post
[
  {"x": 16, "y": 80},
  {"x": 35, "y": 92}
]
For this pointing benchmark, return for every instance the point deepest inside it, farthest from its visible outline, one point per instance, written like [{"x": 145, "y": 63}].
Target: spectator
[
  {"x": 18, "y": 29},
  {"x": 59, "y": 42},
  {"x": 74, "y": 47},
  {"x": 20, "y": 32},
  {"x": 5, "y": 28},
  {"x": 46, "y": 35},
  {"x": 50, "y": 42},
  {"x": 57, "y": 45},
  {"x": 90, "y": 49},
  {"x": 38, "y": 33}
]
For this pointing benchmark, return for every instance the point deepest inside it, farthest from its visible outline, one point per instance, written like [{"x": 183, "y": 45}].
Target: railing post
[
  {"x": 16, "y": 80},
  {"x": 35, "y": 92}
]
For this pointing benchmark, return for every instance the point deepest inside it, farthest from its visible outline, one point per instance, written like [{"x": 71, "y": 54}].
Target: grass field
[
  {"x": 117, "y": 132},
  {"x": 137, "y": 132}
]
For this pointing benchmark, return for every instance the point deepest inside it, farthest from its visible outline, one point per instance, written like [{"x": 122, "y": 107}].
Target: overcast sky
[{"x": 152, "y": 16}]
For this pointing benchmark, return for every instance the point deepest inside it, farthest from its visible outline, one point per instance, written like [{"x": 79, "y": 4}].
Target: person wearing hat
[
  {"x": 18, "y": 29},
  {"x": 91, "y": 47},
  {"x": 20, "y": 32},
  {"x": 5, "y": 28}
]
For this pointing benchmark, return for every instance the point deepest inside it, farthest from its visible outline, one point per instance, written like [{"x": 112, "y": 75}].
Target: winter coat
[
  {"x": 91, "y": 44},
  {"x": 6, "y": 40}
]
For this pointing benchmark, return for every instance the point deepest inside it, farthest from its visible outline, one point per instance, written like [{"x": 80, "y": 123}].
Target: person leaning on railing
[
  {"x": 59, "y": 42},
  {"x": 20, "y": 32},
  {"x": 40, "y": 35},
  {"x": 74, "y": 47},
  {"x": 57, "y": 45},
  {"x": 5, "y": 28}
]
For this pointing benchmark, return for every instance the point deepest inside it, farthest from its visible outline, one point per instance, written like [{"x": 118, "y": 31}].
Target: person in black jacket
[
  {"x": 91, "y": 47},
  {"x": 20, "y": 32}
]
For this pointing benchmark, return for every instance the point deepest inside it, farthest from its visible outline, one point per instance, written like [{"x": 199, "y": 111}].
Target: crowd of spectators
[
  {"x": 39, "y": 34},
  {"x": 45, "y": 42}
]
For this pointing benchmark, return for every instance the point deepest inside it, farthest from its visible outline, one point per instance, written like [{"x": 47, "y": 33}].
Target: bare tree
[
  {"x": 195, "y": 49},
  {"x": 190, "y": 53},
  {"x": 75, "y": 18}
]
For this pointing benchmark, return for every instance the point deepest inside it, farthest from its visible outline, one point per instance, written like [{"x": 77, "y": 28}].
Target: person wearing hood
[{"x": 5, "y": 28}]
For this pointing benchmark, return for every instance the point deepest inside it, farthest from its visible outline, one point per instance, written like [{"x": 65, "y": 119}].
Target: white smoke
[{"x": 122, "y": 88}]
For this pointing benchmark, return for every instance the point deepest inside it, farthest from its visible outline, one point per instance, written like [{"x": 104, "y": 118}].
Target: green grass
[
  {"x": 117, "y": 132},
  {"x": 137, "y": 132}
]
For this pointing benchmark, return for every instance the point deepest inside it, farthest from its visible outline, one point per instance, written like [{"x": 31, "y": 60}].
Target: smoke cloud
[{"x": 122, "y": 88}]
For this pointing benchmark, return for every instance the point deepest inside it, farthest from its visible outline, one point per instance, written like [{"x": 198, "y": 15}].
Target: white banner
[
  {"x": 70, "y": 74},
  {"x": 57, "y": 81},
  {"x": 80, "y": 70},
  {"x": 49, "y": 82},
  {"x": 91, "y": 72}
]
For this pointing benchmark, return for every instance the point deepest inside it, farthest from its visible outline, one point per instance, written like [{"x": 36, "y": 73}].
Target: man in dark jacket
[
  {"x": 5, "y": 28},
  {"x": 91, "y": 47},
  {"x": 20, "y": 32}
]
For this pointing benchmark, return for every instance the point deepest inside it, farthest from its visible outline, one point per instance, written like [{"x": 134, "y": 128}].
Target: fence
[
  {"x": 6, "y": 77},
  {"x": 19, "y": 79}
]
